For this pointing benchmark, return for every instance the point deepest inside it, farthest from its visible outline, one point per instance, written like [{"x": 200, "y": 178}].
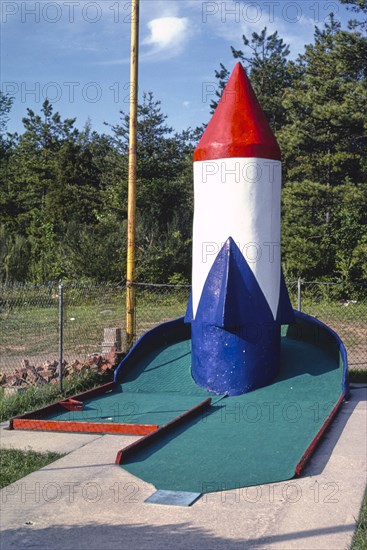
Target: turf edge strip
[
  {"x": 33, "y": 420},
  {"x": 50, "y": 409},
  {"x": 311, "y": 448},
  {"x": 83, "y": 427},
  {"x": 135, "y": 447}
]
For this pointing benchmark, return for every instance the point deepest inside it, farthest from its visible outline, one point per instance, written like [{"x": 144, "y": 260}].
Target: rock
[
  {"x": 14, "y": 380},
  {"x": 47, "y": 374},
  {"x": 94, "y": 359},
  {"x": 106, "y": 367},
  {"x": 67, "y": 371},
  {"x": 54, "y": 365},
  {"x": 114, "y": 357},
  {"x": 31, "y": 375},
  {"x": 94, "y": 367}
]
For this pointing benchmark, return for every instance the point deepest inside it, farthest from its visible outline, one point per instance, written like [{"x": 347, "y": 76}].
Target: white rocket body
[
  {"x": 239, "y": 298},
  {"x": 238, "y": 198}
]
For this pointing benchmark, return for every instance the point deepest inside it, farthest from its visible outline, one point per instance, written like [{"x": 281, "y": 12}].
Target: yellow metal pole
[{"x": 131, "y": 210}]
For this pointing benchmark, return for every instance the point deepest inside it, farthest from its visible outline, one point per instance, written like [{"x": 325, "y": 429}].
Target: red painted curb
[
  {"x": 123, "y": 454},
  {"x": 311, "y": 448}
]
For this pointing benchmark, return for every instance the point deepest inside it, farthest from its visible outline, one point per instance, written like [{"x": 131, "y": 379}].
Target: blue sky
[{"x": 76, "y": 52}]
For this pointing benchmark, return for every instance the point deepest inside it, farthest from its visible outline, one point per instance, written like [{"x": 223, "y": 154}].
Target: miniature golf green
[
  {"x": 255, "y": 438},
  {"x": 158, "y": 389},
  {"x": 130, "y": 408},
  {"x": 259, "y": 437}
]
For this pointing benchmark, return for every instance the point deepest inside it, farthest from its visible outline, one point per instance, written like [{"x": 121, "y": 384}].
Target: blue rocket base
[
  {"x": 235, "y": 338},
  {"x": 234, "y": 362}
]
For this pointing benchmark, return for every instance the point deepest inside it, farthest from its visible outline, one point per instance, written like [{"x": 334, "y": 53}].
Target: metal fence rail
[{"x": 30, "y": 331}]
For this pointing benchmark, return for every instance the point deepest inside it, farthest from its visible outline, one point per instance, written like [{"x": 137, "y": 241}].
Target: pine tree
[
  {"x": 324, "y": 138},
  {"x": 266, "y": 60},
  {"x": 359, "y": 7},
  {"x": 323, "y": 144},
  {"x": 164, "y": 191}
]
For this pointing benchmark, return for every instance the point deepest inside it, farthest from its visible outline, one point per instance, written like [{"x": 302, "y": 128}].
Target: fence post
[
  {"x": 61, "y": 323},
  {"x": 299, "y": 294}
]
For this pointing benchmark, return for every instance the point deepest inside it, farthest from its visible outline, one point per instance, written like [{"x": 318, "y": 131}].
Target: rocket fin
[
  {"x": 231, "y": 296},
  {"x": 285, "y": 313},
  {"x": 189, "y": 316}
]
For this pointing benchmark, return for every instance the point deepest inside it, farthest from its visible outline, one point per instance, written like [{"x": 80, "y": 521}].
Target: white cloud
[{"x": 167, "y": 34}]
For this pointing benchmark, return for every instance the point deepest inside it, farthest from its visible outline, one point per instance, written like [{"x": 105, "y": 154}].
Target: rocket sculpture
[{"x": 239, "y": 298}]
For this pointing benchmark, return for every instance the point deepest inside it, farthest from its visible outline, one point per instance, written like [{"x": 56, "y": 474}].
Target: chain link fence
[
  {"x": 159, "y": 303},
  {"x": 343, "y": 307},
  {"x": 31, "y": 342},
  {"x": 93, "y": 322}
]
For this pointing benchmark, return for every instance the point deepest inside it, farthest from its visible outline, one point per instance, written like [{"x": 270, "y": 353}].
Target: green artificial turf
[
  {"x": 130, "y": 408},
  {"x": 158, "y": 389},
  {"x": 255, "y": 438}
]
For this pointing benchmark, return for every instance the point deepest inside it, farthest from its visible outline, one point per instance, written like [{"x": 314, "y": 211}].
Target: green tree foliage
[
  {"x": 33, "y": 162},
  {"x": 359, "y": 7},
  {"x": 64, "y": 199},
  {"x": 324, "y": 137},
  {"x": 305, "y": 235},
  {"x": 314, "y": 247},
  {"x": 349, "y": 231},
  {"x": 5, "y": 108},
  {"x": 14, "y": 255},
  {"x": 323, "y": 142},
  {"x": 63, "y": 191},
  {"x": 53, "y": 182},
  {"x": 7, "y": 143},
  {"x": 164, "y": 191},
  {"x": 265, "y": 58},
  {"x": 14, "y": 248}
]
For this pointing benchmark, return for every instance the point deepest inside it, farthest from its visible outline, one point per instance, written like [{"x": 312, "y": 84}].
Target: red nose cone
[{"x": 238, "y": 127}]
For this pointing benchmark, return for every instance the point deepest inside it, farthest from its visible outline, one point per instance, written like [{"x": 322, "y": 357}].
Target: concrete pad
[
  {"x": 84, "y": 501},
  {"x": 43, "y": 441}
]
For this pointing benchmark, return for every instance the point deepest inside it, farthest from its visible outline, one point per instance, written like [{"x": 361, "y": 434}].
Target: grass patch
[
  {"x": 40, "y": 396},
  {"x": 360, "y": 536},
  {"x": 34, "y": 330},
  {"x": 157, "y": 306},
  {"x": 29, "y": 321},
  {"x": 16, "y": 464},
  {"x": 358, "y": 376}
]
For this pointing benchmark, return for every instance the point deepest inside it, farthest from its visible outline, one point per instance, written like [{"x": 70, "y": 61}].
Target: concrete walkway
[{"x": 83, "y": 501}]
